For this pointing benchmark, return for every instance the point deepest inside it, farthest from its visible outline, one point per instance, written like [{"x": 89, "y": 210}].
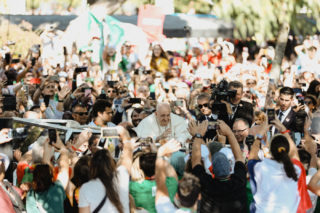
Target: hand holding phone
[
  {"x": 109, "y": 132},
  {"x": 271, "y": 115},
  {"x": 52, "y": 136},
  {"x": 81, "y": 69},
  {"x": 134, "y": 100}
]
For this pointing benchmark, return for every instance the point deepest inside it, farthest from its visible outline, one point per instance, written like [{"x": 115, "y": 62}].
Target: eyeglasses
[
  {"x": 81, "y": 113},
  {"x": 308, "y": 102},
  {"x": 239, "y": 131},
  {"x": 203, "y": 105},
  {"x": 123, "y": 91}
]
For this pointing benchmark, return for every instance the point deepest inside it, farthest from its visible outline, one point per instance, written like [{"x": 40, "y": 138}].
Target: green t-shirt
[
  {"x": 144, "y": 192},
  {"x": 51, "y": 200}
]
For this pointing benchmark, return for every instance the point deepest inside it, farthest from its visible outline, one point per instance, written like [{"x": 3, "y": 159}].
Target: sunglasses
[
  {"x": 203, "y": 105},
  {"x": 308, "y": 102},
  {"x": 123, "y": 91},
  {"x": 81, "y": 113},
  {"x": 111, "y": 91}
]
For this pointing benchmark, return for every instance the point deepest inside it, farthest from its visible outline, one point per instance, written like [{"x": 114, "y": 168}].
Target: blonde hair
[{"x": 136, "y": 173}]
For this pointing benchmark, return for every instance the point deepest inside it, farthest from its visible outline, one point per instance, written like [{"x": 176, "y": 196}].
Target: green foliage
[
  {"x": 34, "y": 4},
  {"x": 263, "y": 18},
  {"x": 23, "y": 39}
]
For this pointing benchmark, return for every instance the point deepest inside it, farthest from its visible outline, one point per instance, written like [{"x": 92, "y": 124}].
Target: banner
[{"x": 150, "y": 20}]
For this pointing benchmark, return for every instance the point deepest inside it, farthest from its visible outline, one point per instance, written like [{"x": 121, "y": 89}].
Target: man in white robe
[{"x": 163, "y": 124}]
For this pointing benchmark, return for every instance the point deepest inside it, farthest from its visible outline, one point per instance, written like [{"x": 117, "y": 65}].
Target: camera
[
  {"x": 139, "y": 70},
  {"x": 221, "y": 92}
]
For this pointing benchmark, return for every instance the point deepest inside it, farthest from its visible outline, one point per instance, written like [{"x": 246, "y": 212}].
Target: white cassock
[{"x": 149, "y": 127}]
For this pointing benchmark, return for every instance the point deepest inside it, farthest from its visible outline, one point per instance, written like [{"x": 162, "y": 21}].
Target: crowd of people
[{"x": 199, "y": 130}]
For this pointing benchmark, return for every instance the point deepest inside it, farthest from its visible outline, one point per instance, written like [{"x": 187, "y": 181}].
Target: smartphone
[
  {"x": 65, "y": 51},
  {"x": 7, "y": 58},
  {"x": 102, "y": 143},
  {"x": 15, "y": 60},
  {"x": 33, "y": 61},
  {"x": 249, "y": 141},
  {"x": 300, "y": 100},
  {"x": 112, "y": 83},
  {"x": 297, "y": 90},
  {"x": 179, "y": 103},
  {"x": 46, "y": 100},
  {"x": 87, "y": 92},
  {"x": 145, "y": 141},
  {"x": 134, "y": 100},
  {"x": 9, "y": 103},
  {"x": 26, "y": 89},
  {"x": 271, "y": 114},
  {"x": 109, "y": 132},
  {"x": 146, "y": 72},
  {"x": 81, "y": 69},
  {"x": 197, "y": 86},
  {"x": 52, "y": 133},
  {"x": 212, "y": 125}
]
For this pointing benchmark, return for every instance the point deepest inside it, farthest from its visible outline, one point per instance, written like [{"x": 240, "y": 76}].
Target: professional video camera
[{"x": 221, "y": 92}]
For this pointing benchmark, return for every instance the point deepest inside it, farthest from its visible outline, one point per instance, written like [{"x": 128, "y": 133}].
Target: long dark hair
[
  {"x": 279, "y": 150},
  {"x": 163, "y": 54},
  {"x": 104, "y": 168},
  {"x": 81, "y": 171},
  {"x": 42, "y": 178}
]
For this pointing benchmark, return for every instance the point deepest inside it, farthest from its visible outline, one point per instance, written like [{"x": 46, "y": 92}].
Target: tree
[{"x": 270, "y": 19}]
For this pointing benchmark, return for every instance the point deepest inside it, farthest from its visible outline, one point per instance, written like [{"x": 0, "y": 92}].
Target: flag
[{"x": 116, "y": 31}]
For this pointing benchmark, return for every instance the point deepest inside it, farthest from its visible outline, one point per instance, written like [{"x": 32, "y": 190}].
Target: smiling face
[
  {"x": 203, "y": 105},
  {"x": 157, "y": 51},
  {"x": 163, "y": 115}
]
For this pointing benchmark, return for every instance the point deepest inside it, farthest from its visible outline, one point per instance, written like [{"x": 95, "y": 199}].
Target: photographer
[
  {"x": 240, "y": 109},
  {"x": 226, "y": 192}
]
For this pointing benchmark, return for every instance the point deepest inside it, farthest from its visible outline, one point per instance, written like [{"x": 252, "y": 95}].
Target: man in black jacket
[
  {"x": 286, "y": 114},
  {"x": 239, "y": 108},
  {"x": 203, "y": 102}
]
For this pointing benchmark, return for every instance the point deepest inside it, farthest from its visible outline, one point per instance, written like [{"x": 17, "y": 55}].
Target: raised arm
[
  {"x": 126, "y": 157},
  {"x": 197, "y": 131},
  {"x": 293, "y": 148},
  {"x": 225, "y": 130},
  {"x": 161, "y": 167}
]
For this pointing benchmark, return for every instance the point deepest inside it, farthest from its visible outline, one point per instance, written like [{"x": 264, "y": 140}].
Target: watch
[
  {"x": 198, "y": 135},
  {"x": 260, "y": 137}
]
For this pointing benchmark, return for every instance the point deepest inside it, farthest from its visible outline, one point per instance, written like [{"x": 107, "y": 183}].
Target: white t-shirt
[
  {"x": 313, "y": 196},
  {"x": 164, "y": 205},
  {"x": 92, "y": 193},
  {"x": 275, "y": 191}
]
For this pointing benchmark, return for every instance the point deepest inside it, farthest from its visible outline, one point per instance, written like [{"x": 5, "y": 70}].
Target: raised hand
[
  {"x": 200, "y": 128},
  {"x": 169, "y": 147},
  {"x": 64, "y": 92}
]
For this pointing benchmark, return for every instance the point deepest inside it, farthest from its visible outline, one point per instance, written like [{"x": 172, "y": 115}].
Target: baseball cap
[{"x": 220, "y": 165}]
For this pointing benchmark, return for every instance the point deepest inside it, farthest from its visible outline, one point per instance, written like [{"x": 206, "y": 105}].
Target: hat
[
  {"x": 214, "y": 147},
  {"x": 220, "y": 165},
  {"x": 177, "y": 162},
  {"x": 228, "y": 153}
]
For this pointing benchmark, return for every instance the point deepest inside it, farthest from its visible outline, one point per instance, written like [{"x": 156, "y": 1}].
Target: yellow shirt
[{"x": 162, "y": 65}]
